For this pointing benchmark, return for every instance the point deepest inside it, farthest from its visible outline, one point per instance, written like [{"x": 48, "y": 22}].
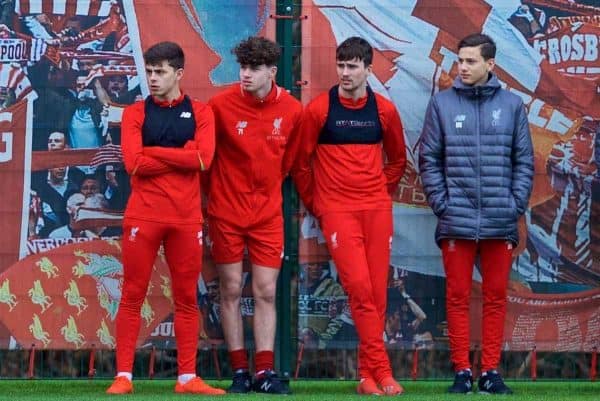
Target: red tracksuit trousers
[
  {"x": 495, "y": 260},
  {"x": 359, "y": 243},
  {"x": 183, "y": 252}
]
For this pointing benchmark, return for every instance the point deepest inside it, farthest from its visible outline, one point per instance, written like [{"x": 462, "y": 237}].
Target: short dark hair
[
  {"x": 90, "y": 177},
  {"x": 487, "y": 45},
  {"x": 255, "y": 51},
  {"x": 355, "y": 48},
  {"x": 170, "y": 52}
]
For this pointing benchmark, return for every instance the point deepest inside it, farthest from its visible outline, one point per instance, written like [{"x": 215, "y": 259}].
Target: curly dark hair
[{"x": 256, "y": 51}]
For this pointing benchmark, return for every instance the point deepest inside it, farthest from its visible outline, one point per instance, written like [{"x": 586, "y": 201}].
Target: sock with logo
[
  {"x": 186, "y": 377},
  {"x": 238, "y": 359},
  {"x": 263, "y": 360},
  {"x": 128, "y": 375}
]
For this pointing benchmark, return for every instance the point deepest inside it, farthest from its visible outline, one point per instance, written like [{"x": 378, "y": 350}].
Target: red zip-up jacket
[
  {"x": 254, "y": 152},
  {"x": 349, "y": 177},
  {"x": 165, "y": 182}
]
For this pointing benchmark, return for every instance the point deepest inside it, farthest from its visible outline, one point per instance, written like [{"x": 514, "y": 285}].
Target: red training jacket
[
  {"x": 256, "y": 146},
  {"x": 165, "y": 182},
  {"x": 349, "y": 177}
]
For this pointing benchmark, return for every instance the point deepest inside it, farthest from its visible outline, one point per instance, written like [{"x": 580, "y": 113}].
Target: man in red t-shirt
[
  {"x": 342, "y": 179},
  {"x": 167, "y": 140},
  {"x": 256, "y": 121}
]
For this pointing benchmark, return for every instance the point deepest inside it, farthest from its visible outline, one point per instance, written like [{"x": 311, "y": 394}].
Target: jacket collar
[
  {"x": 484, "y": 90},
  {"x": 166, "y": 103},
  {"x": 272, "y": 96}
]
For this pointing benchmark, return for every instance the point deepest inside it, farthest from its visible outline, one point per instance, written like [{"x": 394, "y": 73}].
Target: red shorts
[{"x": 264, "y": 241}]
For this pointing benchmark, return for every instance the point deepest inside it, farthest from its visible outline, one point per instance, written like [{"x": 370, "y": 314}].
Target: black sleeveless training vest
[
  {"x": 351, "y": 126},
  {"x": 170, "y": 127}
]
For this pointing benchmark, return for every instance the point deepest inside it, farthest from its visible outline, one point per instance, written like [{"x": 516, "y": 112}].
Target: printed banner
[
  {"x": 68, "y": 68},
  {"x": 548, "y": 54}
]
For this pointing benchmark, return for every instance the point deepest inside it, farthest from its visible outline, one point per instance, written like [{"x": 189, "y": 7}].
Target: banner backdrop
[
  {"x": 67, "y": 70},
  {"x": 548, "y": 54}
]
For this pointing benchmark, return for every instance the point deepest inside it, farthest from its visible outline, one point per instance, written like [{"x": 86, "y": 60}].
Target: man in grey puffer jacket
[{"x": 476, "y": 163}]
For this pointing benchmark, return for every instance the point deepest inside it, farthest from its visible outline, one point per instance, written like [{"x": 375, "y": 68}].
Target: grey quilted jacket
[{"x": 476, "y": 161}]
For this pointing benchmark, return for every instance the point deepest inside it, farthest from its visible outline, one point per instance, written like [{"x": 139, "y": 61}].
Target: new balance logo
[
  {"x": 334, "y": 243},
  {"x": 185, "y": 114},
  {"x": 459, "y": 119},
  {"x": 240, "y": 127},
  {"x": 133, "y": 233},
  {"x": 265, "y": 386},
  {"x": 488, "y": 384}
]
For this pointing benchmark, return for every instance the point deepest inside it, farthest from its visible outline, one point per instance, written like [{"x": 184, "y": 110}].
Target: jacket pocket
[
  {"x": 441, "y": 208},
  {"x": 513, "y": 206}
]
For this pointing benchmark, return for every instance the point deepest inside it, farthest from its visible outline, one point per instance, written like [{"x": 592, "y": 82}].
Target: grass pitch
[{"x": 162, "y": 390}]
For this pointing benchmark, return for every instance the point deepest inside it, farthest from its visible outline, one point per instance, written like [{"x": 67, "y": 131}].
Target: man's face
[
  {"x": 89, "y": 187},
  {"x": 56, "y": 141},
  {"x": 314, "y": 271},
  {"x": 352, "y": 74},
  {"x": 74, "y": 27},
  {"x": 257, "y": 79},
  {"x": 472, "y": 68},
  {"x": 212, "y": 288},
  {"x": 80, "y": 83},
  {"x": 394, "y": 321},
  {"x": 85, "y": 65},
  {"x": 163, "y": 80},
  {"x": 117, "y": 84},
  {"x": 57, "y": 174},
  {"x": 74, "y": 203}
]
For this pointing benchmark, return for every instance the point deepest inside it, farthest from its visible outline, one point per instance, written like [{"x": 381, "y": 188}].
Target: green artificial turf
[{"x": 162, "y": 390}]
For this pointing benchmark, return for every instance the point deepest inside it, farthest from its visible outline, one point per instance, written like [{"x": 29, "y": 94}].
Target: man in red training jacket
[
  {"x": 256, "y": 121},
  {"x": 167, "y": 140},
  {"x": 342, "y": 179}
]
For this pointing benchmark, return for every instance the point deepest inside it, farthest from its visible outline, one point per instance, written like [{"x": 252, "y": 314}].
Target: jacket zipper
[{"x": 478, "y": 133}]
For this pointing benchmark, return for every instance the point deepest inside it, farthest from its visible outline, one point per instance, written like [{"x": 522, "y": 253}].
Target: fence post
[
  {"x": 534, "y": 363},
  {"x": 415, "y": 364},
  {"x": 30, "y": 371},
  {"x": 593, "y": 364},
  {"x": 151, "y": 363},
  {"x": 91, "y": 365},
  {"x": 285, "y": 78}
]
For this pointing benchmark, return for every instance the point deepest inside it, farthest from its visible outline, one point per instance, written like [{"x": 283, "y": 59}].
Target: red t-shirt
[
  {"x": 165, "y": 182},
  {"x": 255, "y": 149},
  {"x": 348, "y": 177}
]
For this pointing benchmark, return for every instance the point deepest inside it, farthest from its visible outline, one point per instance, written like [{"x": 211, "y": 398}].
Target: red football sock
[
  {"x": 263, "y": 361},
  {"x": 239, "y": 359}
]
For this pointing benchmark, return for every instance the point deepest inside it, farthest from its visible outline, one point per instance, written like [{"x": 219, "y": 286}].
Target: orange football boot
[
  {"x": 368, "y": 386},
  {"x": 197, "y": 386},
  {"x": 121, "y": 385},
  {"x": 391, "y": 386}
]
